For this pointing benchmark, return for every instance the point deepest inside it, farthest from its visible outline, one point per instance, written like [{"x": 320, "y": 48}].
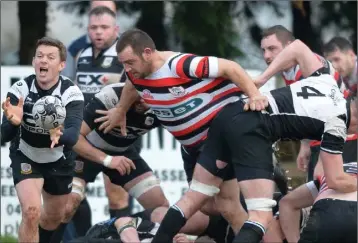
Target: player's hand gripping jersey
[
  {"x": 186, "y": 94},
  {"x": 308, "y": 109},
  {"x": 137, "y": 124},
  {"x": 35, "y": 141}
]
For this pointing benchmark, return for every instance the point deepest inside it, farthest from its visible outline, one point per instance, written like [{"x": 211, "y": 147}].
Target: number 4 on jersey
[{"x": 308, "y": 91}]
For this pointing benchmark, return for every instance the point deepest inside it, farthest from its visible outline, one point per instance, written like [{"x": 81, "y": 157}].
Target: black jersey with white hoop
[
  {"x": 313, "y": 108},
  {"x": 34, "y": 140},
  {"x": 137, "y": 123}
]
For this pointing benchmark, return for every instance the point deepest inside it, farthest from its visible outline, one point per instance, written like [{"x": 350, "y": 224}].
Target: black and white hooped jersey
[
  {"x": 137, "y": 123},
  {"x": 35, "y": 141},
  {"x": 313, "y": 108},
  {"x": 93, "y": 74}
]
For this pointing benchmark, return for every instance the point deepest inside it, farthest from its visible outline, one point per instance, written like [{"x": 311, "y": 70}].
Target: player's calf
[{"x": 258, "y": 194}]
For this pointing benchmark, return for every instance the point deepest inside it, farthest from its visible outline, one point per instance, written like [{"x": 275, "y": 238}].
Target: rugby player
[
  {"x": 185, "y": 92},
  {"x": 41, "y": 164},
  {"x": 313, "y": 108},
  {"x": 333, "y": 216},
  {"x": 274, "y": 40}
]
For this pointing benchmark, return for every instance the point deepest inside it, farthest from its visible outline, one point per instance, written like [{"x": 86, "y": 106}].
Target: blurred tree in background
[{"x": 33, "y": 20}]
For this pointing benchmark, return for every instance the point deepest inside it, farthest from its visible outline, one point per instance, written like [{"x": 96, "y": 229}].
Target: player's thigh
[
  {"x": 190, "y": 157},
  {"x": 58, "y": 177},
  {"x": 28, "y": 180},
  {"x": 115, "y": 193}
]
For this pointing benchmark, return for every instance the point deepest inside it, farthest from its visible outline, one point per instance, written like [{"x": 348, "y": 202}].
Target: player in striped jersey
[
  {"x": 185, "y": 92},
  {"x": 37, "y": 168},
  {"x": 274, "y": 40},
  {"x": 333, "y": 216}
]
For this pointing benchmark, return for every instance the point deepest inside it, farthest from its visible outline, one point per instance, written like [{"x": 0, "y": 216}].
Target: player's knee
[
  {"x": 31, "y": 214},
  {"x": 144, "y": 186}
]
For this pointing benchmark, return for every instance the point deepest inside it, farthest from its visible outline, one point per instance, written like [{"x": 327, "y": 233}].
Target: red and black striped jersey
[{"x": 186, "y": 94}]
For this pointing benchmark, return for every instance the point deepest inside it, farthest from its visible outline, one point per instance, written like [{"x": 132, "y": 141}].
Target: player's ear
[
  {"x": 33, "y": 62},
  {"x": 116, "y": 29},
  {"x": 62, "y": 66}
]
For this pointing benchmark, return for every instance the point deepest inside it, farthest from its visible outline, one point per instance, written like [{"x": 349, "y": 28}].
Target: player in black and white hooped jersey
[
  {"x": 113, "y": 154},
  {"x": 333, "y": 217},
  {"x": 39, "y": 170}
]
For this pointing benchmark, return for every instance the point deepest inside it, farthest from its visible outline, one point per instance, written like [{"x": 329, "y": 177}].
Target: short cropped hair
[
  {"x": 282, "y": 34},
  {"x": 337, "y": 43},
  {"x": 100, "y": 10},
  {"x": 48, "y": 41},
  {"x": 137, "y": 39}
]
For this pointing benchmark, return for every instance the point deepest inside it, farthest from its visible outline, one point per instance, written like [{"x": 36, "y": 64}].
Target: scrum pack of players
[{"x": 226, "y": 128}]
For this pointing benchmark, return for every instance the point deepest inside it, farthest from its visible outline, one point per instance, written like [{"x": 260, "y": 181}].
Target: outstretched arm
[{"x": 296, "y": 53}]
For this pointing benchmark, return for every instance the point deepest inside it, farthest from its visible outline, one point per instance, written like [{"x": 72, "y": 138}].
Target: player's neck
[
  {"x": 160, "y": 58},
  {"x": 48, "y": 85}
]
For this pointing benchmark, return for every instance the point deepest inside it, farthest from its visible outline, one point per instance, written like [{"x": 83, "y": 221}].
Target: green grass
[{"x": 7, "y": 239}]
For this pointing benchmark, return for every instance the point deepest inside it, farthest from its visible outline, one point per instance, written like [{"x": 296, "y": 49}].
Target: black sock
[
  {"x": 58, "y": 234},
  {"x": 250, "y": 232},
  {"x": 45, "y": 235},
  {"x": 82, "y": 218},
  {"x": 146, "y": 214},
  {"x": 118, "y": 213},
  {"x": 173, "y": 221}
]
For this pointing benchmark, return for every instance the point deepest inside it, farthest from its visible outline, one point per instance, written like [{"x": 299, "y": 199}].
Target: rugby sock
[
  {"x": 45, "y": 235},
  {"x": 250, "y": 232},
  {"x": 146, "y": 214},
  {"x": 58, "y": 234},
  {"x": 118, "y": 213},
  {"x": 82, "y": 218},
  {"x": 173, "y": 221}
]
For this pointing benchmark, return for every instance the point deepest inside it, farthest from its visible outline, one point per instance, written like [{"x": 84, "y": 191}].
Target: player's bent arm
[
  {"x": 290, "y": 208},
  {"x": 295, "y": 53},
  {"x": 8, "y": 130},
  {"x": 85, "y": 149},
  {"x": 72, "y": 125},
  {"x": 234, "y": 72},
  {"x": 128, "y": 97},
  {"x": 336, "y": 178}
]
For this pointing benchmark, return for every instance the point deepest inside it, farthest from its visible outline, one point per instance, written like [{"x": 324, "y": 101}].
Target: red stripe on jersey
[
  {"x": 206, "y": 119},
  {"x": 202, "y": 70},
  {"x": 336, "y": 76},
  {"x": 195, "y": 92},
  {"x": 298, "y": 75},
  {"x": 289, "y": 82},
  {"x": 180, "y": 66},
  {"x": 197, "y": 125},
  {"x": 162, "y": 82}
]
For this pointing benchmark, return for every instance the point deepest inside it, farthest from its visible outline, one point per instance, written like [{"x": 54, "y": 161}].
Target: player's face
[
  {"x": 271, "y": 47},
  {"x": 342, "y": 61},
  {"x": 47, "y": 63},
  {"x": 138, "y": 66},
  {"x": 102, "y": 30}
]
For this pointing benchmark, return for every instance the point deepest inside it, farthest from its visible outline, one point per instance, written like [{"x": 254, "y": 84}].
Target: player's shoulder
[
  {"x": 69, "y": 91},
  {"x": 78, "y": 44},
  {"x": 109, "y": 95},
  {"x": 21, "y": 88}
]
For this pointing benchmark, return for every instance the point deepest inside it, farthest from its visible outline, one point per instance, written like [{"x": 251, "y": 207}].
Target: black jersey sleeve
[
  {"x": 8, "y": 130},
  {"x": 334, "y": 136},
  {"x": 89, "y": 114},
  {"x": 73, "y": 121}
]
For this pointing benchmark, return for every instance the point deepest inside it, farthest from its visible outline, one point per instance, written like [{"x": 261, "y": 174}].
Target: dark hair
[
  {"x": 337, "y": 43},
  {"x": 100, "y": 10},
  {"x": 137, "y": 39},
  {"x": 282, "y": 34},
  {"x": 48, "y": 41}
]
